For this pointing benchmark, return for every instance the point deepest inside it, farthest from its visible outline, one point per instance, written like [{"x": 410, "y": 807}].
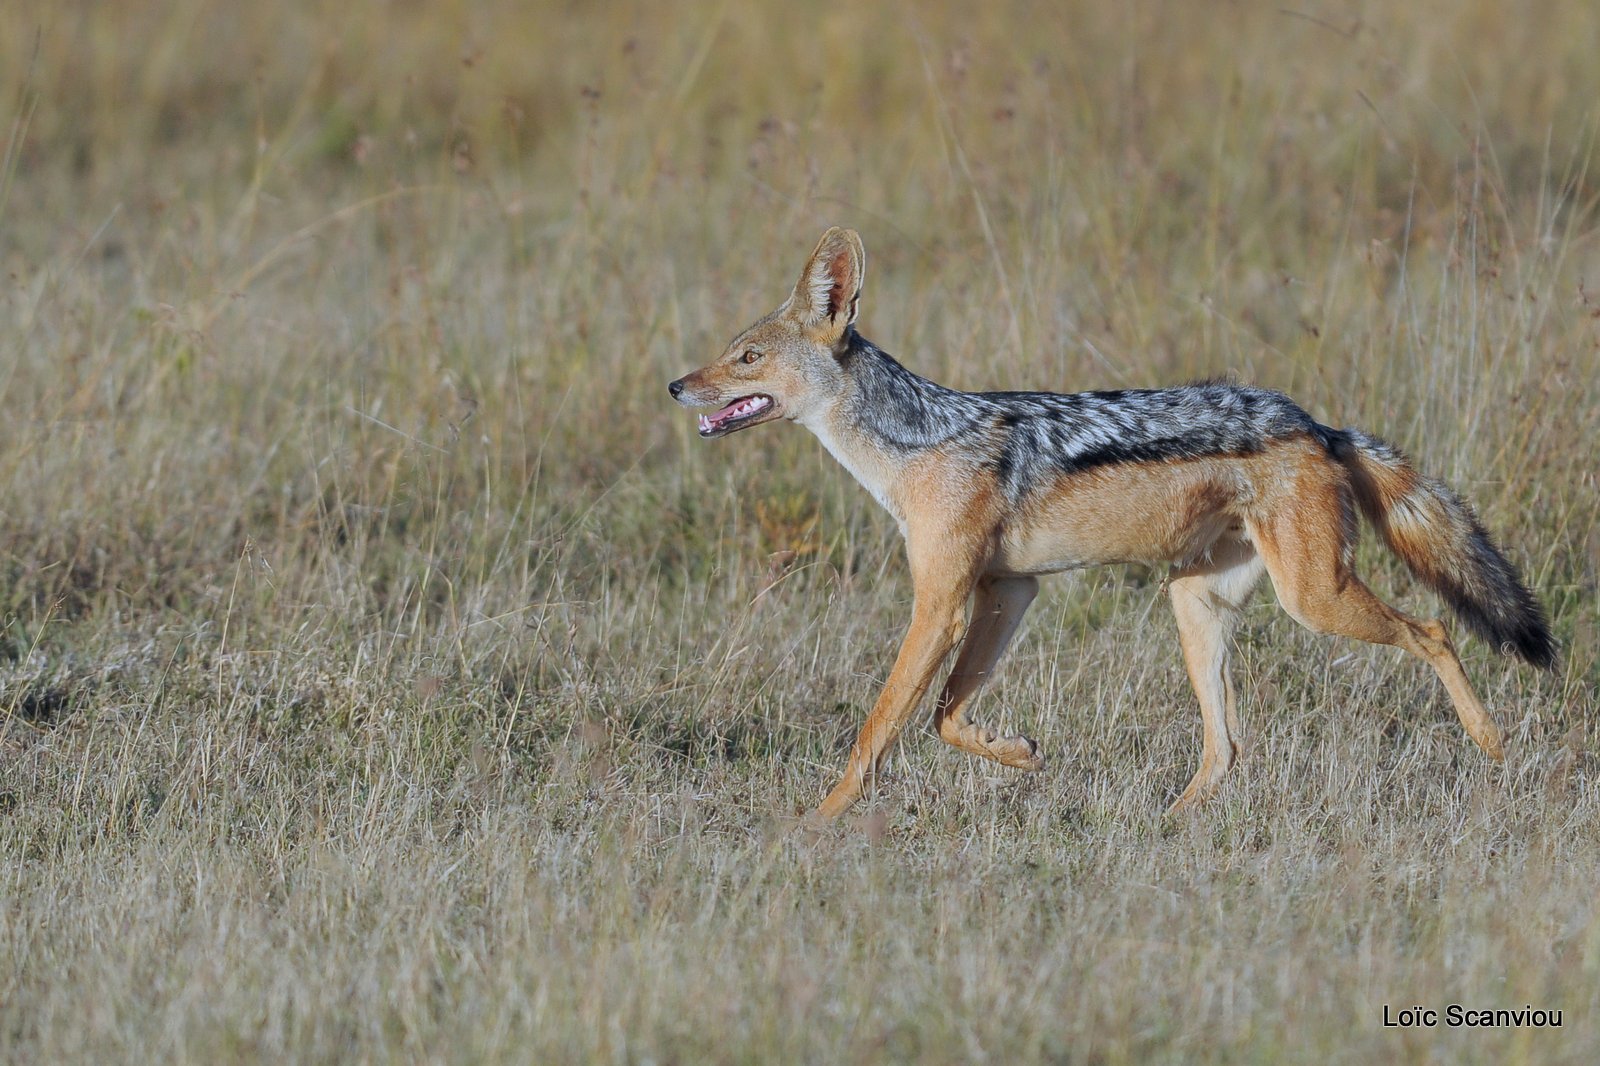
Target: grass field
[{"x": 388, "y": 673}]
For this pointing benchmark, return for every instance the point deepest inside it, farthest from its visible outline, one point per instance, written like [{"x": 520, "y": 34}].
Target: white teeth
[{"x": 748, "y": 406}]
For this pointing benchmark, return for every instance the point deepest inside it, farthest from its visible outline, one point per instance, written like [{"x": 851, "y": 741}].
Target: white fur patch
[
  {"x": 819, "y": 283},
  {"x": 874, "y": 477}
]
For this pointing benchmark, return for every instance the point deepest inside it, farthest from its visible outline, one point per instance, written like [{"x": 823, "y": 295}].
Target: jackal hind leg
[
  {"x": 998, "y": 606},
  {"x": 1207, "y": 598},
  {"x": 1315, "y": 584}
]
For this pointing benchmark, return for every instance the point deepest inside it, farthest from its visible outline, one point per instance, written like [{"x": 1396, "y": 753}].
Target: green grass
[{"x": 388, "y": 673}]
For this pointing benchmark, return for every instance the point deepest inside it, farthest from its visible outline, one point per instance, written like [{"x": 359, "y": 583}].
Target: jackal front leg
[
  {"x": 938, "y": 619},
  {"x": 997, "y": 610}
]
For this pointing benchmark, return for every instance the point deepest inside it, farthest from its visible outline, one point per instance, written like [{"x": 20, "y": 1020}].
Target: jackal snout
[{"x": 701, "y": 388}]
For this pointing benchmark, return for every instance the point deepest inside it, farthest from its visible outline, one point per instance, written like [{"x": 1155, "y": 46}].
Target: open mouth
[{"x": 745, "y": 411}]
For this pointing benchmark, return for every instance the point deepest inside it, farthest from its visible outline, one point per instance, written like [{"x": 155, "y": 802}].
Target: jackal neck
[
  {"x": 896, "y": 409},
  {"x": 883, "y": 415}
]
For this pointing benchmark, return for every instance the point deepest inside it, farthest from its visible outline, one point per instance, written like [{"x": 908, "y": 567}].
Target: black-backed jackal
[{"x": 992, "y": 489}]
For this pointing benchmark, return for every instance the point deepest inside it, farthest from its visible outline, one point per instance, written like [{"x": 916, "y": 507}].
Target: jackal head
[{"x": 787, "y": 364}]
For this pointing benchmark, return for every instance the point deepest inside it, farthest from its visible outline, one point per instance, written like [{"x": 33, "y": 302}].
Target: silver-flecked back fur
[{"x": 1029, "y": 437}]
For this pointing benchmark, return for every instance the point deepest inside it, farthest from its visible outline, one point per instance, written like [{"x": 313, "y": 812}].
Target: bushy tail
[{"x": 1441, "y": 541}]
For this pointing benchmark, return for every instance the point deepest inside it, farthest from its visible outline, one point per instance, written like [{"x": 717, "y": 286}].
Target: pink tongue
[{"x": 726, "y": 411}]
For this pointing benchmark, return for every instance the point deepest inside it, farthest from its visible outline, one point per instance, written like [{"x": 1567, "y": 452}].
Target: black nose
[{"x": 676, "y": 388}]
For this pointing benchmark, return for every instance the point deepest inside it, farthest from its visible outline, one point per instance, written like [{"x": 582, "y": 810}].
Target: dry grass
[{"x": 387, "y": 672}]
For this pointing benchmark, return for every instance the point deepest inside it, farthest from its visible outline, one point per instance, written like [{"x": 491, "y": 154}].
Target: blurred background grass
[{"x": 389, "y": 672}]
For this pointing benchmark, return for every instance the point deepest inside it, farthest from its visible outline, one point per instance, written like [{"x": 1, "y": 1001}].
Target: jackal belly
[{"x": 1133, "y": 512}]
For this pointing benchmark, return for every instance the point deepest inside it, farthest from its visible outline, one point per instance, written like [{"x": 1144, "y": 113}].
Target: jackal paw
[
  {"x": 1019, "y": 751},
  {"x": 1201, "y": 788}
]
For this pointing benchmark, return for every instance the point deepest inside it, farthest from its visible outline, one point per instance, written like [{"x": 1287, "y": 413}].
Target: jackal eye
[{"x": 750, "y": 355}]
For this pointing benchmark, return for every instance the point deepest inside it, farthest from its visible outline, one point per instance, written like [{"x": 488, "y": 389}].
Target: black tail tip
[
  {"x": 1534, "y": 645},
  {"x": 1515, "y": 625}
]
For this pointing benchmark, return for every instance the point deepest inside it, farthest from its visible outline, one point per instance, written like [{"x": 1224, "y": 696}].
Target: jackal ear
[{"x": 829, "y": 291}]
